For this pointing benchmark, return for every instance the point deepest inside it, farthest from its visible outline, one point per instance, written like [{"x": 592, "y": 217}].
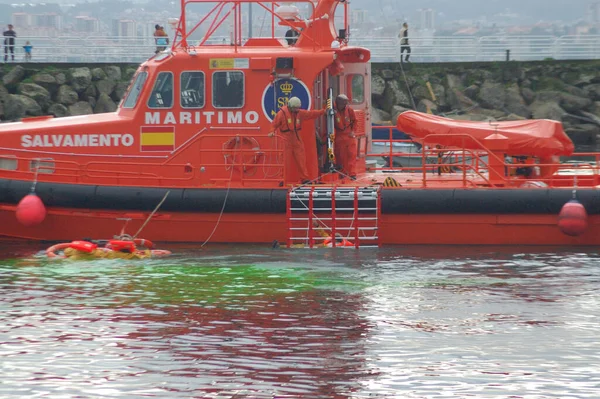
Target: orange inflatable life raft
[{"x": 114, "y": 249}]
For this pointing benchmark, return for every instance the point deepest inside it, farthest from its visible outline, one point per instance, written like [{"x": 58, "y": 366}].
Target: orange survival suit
[
  {"x": 345, "y": 146},
  {"x": 289, "y": 125}
]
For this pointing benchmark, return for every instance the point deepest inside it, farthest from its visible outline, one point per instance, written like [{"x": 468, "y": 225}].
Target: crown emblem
[{"x": 286, "y": 88}]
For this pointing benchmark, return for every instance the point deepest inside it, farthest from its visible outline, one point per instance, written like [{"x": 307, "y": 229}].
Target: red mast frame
[{"x": 319, "y": 30}]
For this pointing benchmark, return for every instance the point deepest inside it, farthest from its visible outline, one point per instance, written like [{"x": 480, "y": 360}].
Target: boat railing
[
  {"x": 565, "y": 175},
  {"x": 424, "y": 153},
  {"x": 214, "y": 165},
  {"x": 391, "y": 154},
  {"x": 432, "y": 160},
  {"x": 471, "y": 167},
  {"x": 89, "y": 48},
  {"x": 261, "y": 163},
  {"x": 579, "y": 169},
  {"x": 127, "y": 170}
]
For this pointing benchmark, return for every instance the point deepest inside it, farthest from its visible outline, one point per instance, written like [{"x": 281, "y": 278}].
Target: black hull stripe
[
  {"x": 482, "y": 201},
  {"x": 393, "y": 201}
]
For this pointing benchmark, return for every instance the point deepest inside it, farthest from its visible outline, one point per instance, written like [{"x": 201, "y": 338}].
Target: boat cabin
[
  {"x": 214, "y": 102},
  {"x": 198, "y": 113}
]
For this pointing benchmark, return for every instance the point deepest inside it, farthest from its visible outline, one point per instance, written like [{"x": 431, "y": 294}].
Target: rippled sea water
[{"x": 254, "y": 322}]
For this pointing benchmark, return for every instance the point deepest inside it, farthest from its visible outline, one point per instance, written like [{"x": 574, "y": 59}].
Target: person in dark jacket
[
  {"x": 9, "y": 43},
  {"x": 291, "y": 36},
  {"x": 404, "y": 45}
]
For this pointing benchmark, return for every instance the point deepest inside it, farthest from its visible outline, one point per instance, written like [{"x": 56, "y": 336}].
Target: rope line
[{"x": 223, "y": 207}]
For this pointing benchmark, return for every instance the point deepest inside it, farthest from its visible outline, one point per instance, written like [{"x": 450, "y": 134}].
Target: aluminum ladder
[{"x": 315, "y": 214}]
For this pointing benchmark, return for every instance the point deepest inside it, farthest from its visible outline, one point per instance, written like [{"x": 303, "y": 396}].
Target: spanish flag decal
[{"x": 157, "y": 138}]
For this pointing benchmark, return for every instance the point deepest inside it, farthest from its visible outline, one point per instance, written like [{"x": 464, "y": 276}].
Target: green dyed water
[{"x": 254, "y": 322}]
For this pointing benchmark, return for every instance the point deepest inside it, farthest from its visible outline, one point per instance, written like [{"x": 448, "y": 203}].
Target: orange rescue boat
[{"x": 195, "y": 122}]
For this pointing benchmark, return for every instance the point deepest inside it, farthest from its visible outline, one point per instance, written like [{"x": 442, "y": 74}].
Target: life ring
[
  {"x": 141, "y": 242},
  {"x": 160, "y": 252},
  {"x": 242, "y": 161},
  {"x": 52, "y": 252}
]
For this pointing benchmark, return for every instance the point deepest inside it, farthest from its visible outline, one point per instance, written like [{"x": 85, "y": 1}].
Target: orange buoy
[
  {"x": 339, "y": 242},
  {"x": 31, "y": 210},
  {"x": 572, "y": 219},
  {"x": 83, "y": 246}
]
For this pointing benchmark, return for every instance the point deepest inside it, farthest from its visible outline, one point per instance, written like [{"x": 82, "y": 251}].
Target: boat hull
[
  {"x": 245, "y": 215},
  {"x": 395, "y": 229},
  {"x": 69, "y": 224}
]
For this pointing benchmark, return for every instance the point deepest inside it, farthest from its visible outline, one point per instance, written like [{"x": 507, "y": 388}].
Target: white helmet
[
  {"x": 342, "y": 97},
  {"x": 294, "y": 102}
]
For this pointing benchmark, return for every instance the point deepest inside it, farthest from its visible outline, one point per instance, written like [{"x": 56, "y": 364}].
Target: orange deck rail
[{"x": 470, "y": 168}]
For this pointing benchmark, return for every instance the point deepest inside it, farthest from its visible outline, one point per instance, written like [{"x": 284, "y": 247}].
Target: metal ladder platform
[{"x": 316, "y": 214}]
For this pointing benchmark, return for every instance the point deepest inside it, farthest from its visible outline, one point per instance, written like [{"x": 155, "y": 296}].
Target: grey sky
[{"x": 532, "y": 10}]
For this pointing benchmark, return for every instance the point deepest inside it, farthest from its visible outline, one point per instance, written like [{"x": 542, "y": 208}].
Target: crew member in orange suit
[
  {"x": 345, "y": 145},
  {"x": 288, "y": 122}
]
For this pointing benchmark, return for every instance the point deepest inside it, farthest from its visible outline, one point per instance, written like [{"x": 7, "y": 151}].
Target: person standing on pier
[
  {"x": 9, "y": 43},
  {"x": 404, "y": 45},
  {"x": 161, "y": 38},
  {"x": 27, "y": 48}
]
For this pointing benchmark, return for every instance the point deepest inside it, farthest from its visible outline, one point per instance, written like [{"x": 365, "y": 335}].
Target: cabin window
[
  {"x": 135, "y": 90},
  {"x": 45, "y": 165},
  {"x": 162, "y": 93},
  {"x": 356, "y": 88},
  {"x": 228, "y": 89},
  {"x": 192, "y": 89},
  {"x": 7, "y": 163}
]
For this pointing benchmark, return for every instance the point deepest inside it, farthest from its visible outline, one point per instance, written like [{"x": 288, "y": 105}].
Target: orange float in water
[
  {"x": 339, "y": 242},
  {"x": 31, "y": 210},
  {"x": 115, "y": 249},
  {"x": 84, "y": 246},
  {"x": 572, "y": 219}
]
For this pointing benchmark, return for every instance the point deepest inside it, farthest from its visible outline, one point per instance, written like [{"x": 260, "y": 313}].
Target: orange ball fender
[
  {"x": 30, "y": 211},
  {"x": 573, "y": 219}
]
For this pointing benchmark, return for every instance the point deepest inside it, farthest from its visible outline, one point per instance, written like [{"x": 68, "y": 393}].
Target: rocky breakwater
[
  {"x": 566, "y": 91},
  {"x": 48, "y": 90}
]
